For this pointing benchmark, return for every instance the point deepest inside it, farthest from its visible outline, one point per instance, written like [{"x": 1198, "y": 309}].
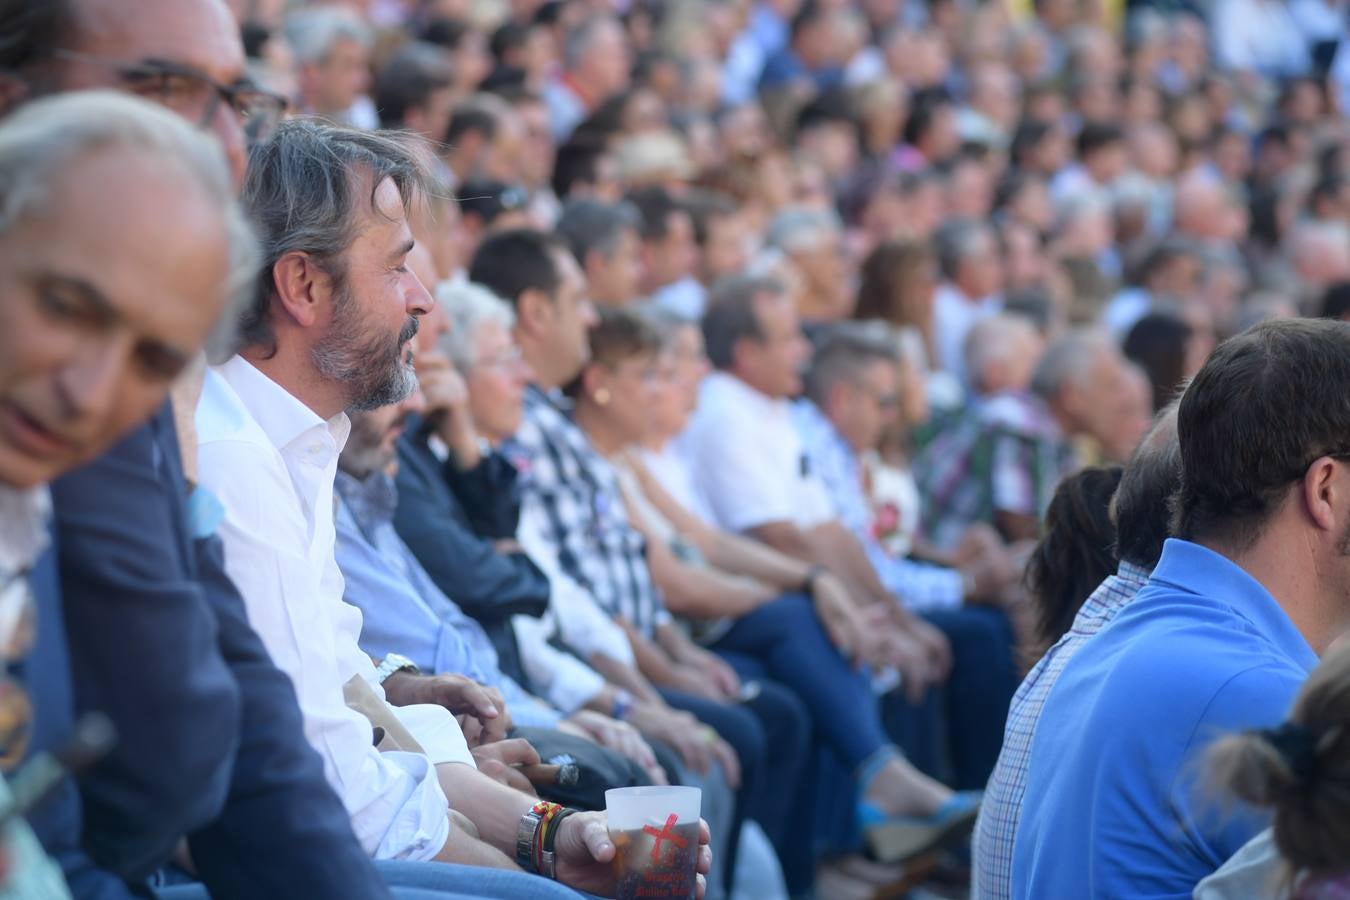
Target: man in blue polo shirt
[{"x": 1254, "y": 586}]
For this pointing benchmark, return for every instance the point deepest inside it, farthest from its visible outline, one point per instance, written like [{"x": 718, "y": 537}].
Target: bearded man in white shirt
[{"x": 329, "y": 331}]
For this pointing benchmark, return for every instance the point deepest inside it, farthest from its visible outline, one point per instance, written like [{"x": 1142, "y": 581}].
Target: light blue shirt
[
  {"x": 1115, "y": 803},
  {"x": 920, "y": 586},
  {"x": 403, "y": 609}
]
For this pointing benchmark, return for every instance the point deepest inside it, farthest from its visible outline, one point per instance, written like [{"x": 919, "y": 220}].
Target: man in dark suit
[{"x": 210, "y": 745}]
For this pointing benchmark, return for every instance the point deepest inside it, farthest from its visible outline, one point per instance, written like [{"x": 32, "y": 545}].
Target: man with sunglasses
[{"x": 210, "y": 740}]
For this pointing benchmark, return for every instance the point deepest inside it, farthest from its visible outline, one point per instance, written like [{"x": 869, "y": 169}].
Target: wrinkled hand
[
  {"x": 911, "y": 659},
  {"x": 481, "y": 710},
  {"x": 721, "y": 676},
  {"x": 620, "y": 737},
  {"x": 501, "y": 761},
  {"x": 585, "y": 854},
  {"x": 442, "y": 387}
]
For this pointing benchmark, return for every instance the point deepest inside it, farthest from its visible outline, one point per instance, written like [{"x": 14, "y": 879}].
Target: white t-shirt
[{"x": 749, "y": 459}]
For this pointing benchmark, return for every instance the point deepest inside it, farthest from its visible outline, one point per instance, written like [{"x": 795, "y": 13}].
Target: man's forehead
[{"x": 197, "y": 33}]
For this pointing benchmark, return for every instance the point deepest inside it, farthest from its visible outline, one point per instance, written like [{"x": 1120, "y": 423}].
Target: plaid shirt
[
  {"x": 572, "y": 494},
  {"x": 1002, "y": 807},
  {"x": 1004, "y": 454},
  {"x": 919, "y": 585}
]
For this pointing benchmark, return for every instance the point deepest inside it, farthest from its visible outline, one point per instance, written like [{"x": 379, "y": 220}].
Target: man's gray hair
[
  {"x": 468, "y": 306},
  {"x": 42, "y": 140},
  {"x": 306, "y": 190},
  {"x": 313, "y": 32},
  {"x": 800, "y": 228},
  {"x": 1070, "y": 359},
  {"x": 847, "y": 350},
  {"x": 593, "y": 225},
  {"x": 955, "y": 241},
  {"x": 731, "y": 317},
  {"x": 993, "y": 340},
  {"x": 577, "y": 42}
]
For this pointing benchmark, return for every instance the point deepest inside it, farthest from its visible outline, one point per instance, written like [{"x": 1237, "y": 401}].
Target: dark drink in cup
[{"x": 655, "y": 832}]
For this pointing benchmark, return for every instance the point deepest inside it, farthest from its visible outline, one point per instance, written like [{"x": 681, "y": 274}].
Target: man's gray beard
[{"x": 377, "y": 376}]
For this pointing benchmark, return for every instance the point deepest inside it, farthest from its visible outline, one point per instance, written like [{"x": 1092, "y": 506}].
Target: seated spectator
[
  {"x": 813, "y": 244},
  {"x": 1228, "y": 627},
  {"x": 768, "y": 614},
  {"x": 605, "y": 238},
  {"x": 669, "y": 253},
  {"x": 1000, "y": 462},
  {"x": 754, "y": 471},
  {"x": 851, "y": 390},
  {"x": 971, "y": 290},
  {"x": 1074, "y": 554},
  {"x": 1140, "y": 517},
  {"x": 295, "y": 374},
  {"x": 331, "y": 47},
  {"x": 1296, "y": 770},
  {"x": 572, "y": 524},
  {"x": 89, "y": 353}
]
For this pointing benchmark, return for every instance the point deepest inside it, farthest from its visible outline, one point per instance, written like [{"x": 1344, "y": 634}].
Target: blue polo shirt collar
[{"x": 1194, "y": 569}]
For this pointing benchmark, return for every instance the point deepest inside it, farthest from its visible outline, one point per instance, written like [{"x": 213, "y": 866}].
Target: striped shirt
[
  {"x": 572, "y": 503},
  {"x": 1004, "y": 454},
  {"x": 1002, "y": 807}
]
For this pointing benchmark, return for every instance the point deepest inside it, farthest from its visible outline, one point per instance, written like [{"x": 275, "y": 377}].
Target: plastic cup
[{"x": 655, "y": 831}]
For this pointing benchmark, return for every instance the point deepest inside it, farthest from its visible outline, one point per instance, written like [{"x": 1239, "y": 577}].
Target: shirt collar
[
  {"x": 737, "y": 391},
  {"x": 1132, "y": 575},
  {"x": 1199, "y": 570},
  {"x": 371, "y": 500},
  {"x": 24, "y": 516},
  {"x": 282, "y": 417}
]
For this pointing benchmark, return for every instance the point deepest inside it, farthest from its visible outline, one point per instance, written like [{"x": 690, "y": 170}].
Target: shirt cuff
[{"x": 436, "y": 730}]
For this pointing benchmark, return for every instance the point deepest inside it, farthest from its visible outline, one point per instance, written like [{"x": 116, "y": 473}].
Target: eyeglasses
[
  {"x": 192, "y": 93},
  {"x": 507, "y": 358}
]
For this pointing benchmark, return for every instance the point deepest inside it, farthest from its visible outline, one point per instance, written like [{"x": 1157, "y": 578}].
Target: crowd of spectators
[{"x": 919, "y": 424}]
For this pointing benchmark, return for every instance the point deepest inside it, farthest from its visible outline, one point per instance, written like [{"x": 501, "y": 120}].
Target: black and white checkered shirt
[{"x": 571, "y": 496}]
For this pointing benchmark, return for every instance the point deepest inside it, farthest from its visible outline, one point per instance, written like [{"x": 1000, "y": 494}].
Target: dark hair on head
[
  {"x": 706, "y": 206},
  {"x": 1336, "y": 301},
  {"x": 1157, "y": 342},
  {"x": 924, "y": 107},
  {"x": 656, "y": 205},
  {"x": 487, "y": 199},
  {"x": 509, "y": 36},
  {"x": 830, "y": 108},
  {"x": 807, "y": 15},
  {"x": 445, "y": 31},
  {"x": 1301, "y": 770},
  {"x": 471, "y": 116},
  {"x": 415, "y": 72},
  {"x": 1075, "y": 552},
  {"x": 517, "y": 260},
  {"x": 1096, "y": 135},
  {"x": 576, "y": 162},
  {"x": 621, "y": 334},
  {"x": 1033, "y": 303},
  {"x": 1029, "y": 134},
  {"x": 1151, "y": 477},
  {"x": 1263, "y": 407},
  {"x": 307, "y": 189},
  {"x": 731, "y": 316},
  {"x": 30, "y": 31},
  {"x": 882, "y": 289}
]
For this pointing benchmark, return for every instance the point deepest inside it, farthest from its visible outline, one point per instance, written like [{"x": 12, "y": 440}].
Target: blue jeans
[
  {"x": 786, "y": 639},
  {"x": 973, "y": 704},
  {"x": 432, "y": 881}
]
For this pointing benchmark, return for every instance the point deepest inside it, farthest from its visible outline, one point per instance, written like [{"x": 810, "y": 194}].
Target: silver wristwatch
[{"x": 394, "y": 662}]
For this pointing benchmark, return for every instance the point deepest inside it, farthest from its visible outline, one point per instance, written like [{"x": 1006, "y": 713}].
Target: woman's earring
[{"x": 602, "y": 396}]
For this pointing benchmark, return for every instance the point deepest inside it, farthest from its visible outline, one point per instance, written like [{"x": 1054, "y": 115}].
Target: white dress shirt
[
  {"x": 750, "y": 460},
  {"x": 271, "y": 461}
]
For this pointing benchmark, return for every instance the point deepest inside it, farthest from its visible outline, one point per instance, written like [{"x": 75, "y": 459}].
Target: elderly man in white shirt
[{"x": 329, "y": 330}]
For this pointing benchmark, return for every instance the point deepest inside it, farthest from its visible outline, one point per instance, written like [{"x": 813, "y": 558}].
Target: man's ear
[
  {"x": 1322, "y": 493},
  {"x": 534, "y": 310},
  {"x": 304, "y": 290}
]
